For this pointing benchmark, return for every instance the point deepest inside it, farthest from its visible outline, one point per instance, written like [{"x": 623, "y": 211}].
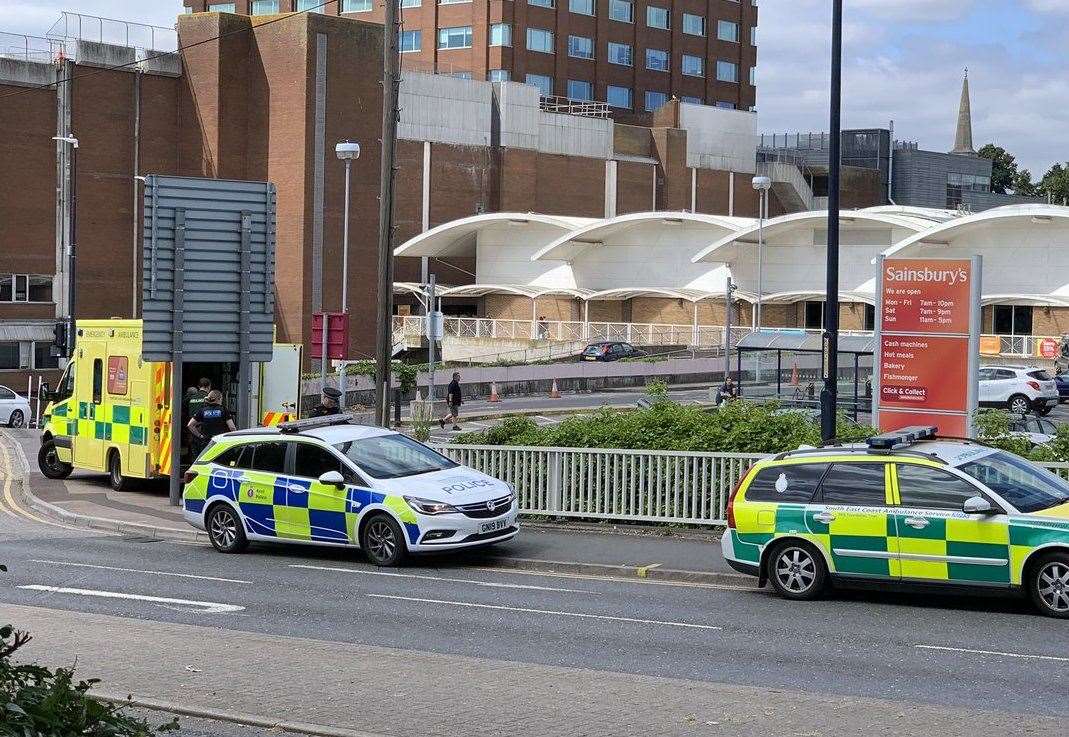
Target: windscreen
[
  {"x": 1024, "y": 485},
  {"x": 393, "y": 457}
]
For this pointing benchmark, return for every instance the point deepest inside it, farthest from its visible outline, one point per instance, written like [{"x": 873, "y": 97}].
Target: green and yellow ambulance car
[{"x": 904, "y": 508}]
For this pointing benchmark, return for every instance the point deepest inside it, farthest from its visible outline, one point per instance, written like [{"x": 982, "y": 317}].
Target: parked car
[
  {"x": 1034, "y": 429},
  {"x": 1062, "y": 382},
  {"x": 14, "y": 409},
  {"x": 1020, "y": 389},
  {"x": 610, "y": 350}
]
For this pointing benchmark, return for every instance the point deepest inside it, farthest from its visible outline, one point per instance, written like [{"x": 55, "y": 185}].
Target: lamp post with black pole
[
  {"x": 828, "y": 396},
  {"x": 348, "y": 151},
  {"x": 72, "y": 227}
]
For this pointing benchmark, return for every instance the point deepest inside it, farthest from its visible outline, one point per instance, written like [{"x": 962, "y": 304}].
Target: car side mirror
[
  {"x": 332, "y": 478},
  {"x": 977, "y": 505}
]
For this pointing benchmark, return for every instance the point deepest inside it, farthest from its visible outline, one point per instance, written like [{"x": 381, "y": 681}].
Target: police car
[
  {"x": 903, "y": 508},
  {"x": 327, "y": 481}
]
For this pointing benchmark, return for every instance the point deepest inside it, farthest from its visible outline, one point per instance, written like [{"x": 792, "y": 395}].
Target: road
[{"x": 504, "y": 647}]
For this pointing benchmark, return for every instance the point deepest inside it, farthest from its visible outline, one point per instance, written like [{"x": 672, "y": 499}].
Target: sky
[{"x": 903, "y": 60}]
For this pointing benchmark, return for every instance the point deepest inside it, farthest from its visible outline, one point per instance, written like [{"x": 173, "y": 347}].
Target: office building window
[
  {"x": 813, "y": 316},
  {"x": 581, "y": 47},
  {"x": 620, "y": 54},
  {"x": 499, "y": 75},
  {"x": 222, "y": 7},
  {"x": 13, "y": 357},
  {"x": 580, "y": 89},
  {"x": 541, "y": 3},
  {"x": 657, "y": 60},
  {"x": 542, "y": 82},
  {"x": 694, "y": 24},
  {"x": 539, "y": 39},
  {"x": 870, "y": 318},
  {"x": 310, "y": 6},
  {"x": 618, "y": 96},
  {"x": 727, "y": 71},
  {"x": 657, "y": 17},
  {"x": 693, "y": 66},
  {"x": 409, "y": 3},
  {"x": 462, "y": 75},
  {"x": 411, "y": 41},
  {"x": 725, "y": 104},
  {"x": 691, "y": 99},
  {"x": 753, "y": 76},
  {"x": 266, "y": 7},
  {"x": 452, "y": 2},
  {"x": 25, "y": 288},
  {"x": 623, "y": 11},
  {"x": 501, "y": 34},
  {"x": 727, "y": 30},
  {"x": 42, "y": 356},
  {"x": 582, "y": 7},
  {"x": 1012, "y": 320},
  {"x": 458, "y": 37},
  {"x": 753, "y": 35},
  {"x": 654, "y": 100},
  {"x": 356, "y": 6}
]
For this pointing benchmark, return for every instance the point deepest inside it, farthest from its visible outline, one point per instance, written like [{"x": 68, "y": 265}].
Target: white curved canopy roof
[
  {"x": 522, "y": 290},
  {"x": 944, "y": 233},
  {"x": 459, "y": 237},
  {"x": 614, "y": 231},
  {"x": 816, "y": 296},
  {"x": 924, "y": 213},
  {"x": 727, "y": 248},
  {"x": 624, "y": 293}
]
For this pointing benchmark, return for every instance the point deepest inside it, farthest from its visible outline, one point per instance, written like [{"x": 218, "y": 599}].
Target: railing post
[{"x": 554, "y": 496}]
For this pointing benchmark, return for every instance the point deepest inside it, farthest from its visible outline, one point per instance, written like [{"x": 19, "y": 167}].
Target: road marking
[
  {"x": 523, "y": 610},
  {"x": 617, "y": 579},
  {"x": 16, "y": 509},
  {"x": 442, "y": 578},
  {"x": 992, "y": 652},
  {"x": 203, "y": 607},
  {"x": 138, "y": 570}
]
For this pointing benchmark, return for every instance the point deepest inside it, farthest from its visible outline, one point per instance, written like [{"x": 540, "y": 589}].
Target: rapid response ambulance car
[
  {"x": 904, "y": 508},
  {"x": 111, "y": 411}
]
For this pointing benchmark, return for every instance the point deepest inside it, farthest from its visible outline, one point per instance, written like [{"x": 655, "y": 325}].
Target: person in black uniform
[
  {"x": 328, "y": 403},
  {"x": 210, "y": 420}
]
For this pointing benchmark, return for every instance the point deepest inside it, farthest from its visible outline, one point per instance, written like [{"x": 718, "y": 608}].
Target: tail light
[
  {"x": 1034, "y": 385},
  {"x": 731, "y": 499},
  {"x": 604, "y": 349},
  {"x": 188, "y": 476}
]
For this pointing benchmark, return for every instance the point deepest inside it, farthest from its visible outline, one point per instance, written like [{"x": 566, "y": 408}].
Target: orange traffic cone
[
  {"x": 554, "y": 392},
  {"x": 493, "y": 392},
  {"x": 794, "y": 374}
]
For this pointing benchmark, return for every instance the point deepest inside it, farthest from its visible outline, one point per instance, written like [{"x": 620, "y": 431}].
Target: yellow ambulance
[{"x": 111, "y": 411}]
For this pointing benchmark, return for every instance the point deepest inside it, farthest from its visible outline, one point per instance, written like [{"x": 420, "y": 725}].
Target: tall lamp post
[
  {"x": 348, "y": 151},
  {"x": 829, "y": 394},
  {"x": 762, "y": 185},
  {"x": 72, "y": 224}
]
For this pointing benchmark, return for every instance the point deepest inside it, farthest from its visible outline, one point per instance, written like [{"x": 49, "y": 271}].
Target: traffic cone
[
  {"x": 554, "y": 392},
  {"x": 794, "y": 374},
  {"x": 493, "y": 392}
]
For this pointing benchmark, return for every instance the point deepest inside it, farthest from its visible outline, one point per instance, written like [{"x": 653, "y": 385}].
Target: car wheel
[
  {"x": 1049, "y": 585},
  {"x": 225, "y": 530},
  {"x": 1018, "y": 404},
  {"x": 796, "y": 571},
  {"x": 50, "y": 464},
  {"x": 115, "y": 477},
  {"x": 382, "y": 541},
  {"x": 16, "y": 419}
]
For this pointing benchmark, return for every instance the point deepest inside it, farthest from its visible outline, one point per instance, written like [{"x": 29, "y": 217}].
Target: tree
[
  {"x": 1003, "y": 167},
  {"x": 1023, "y": 184},
  {"x": 1055, "y": 184}
]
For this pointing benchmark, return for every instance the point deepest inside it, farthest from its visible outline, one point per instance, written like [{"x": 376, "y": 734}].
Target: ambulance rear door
[{"x": 279, "y": 388}]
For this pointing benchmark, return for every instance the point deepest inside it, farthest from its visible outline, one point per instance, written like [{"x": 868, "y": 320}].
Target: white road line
[
  {"x": 138, "y": 570},
  {"x": 203, "y": 607},
  {"x": 992, "y": 652},
  {"x": 616, "y": 579},
  {"x": 472, "y": 581},
  {"x": 523, "y": 610}
]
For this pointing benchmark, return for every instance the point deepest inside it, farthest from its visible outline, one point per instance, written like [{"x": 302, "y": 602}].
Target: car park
[
  {"x": 1019, "y": 389},
  {"x": 14, "y": 409},
  {"x": 906, "y": 508},
  {"x": 610, "y": 351},
  {"x": 330, "y": 482}
]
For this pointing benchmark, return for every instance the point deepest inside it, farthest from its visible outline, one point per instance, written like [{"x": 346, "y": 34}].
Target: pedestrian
[
  {"x": 210, "y": 420},
  {"x": 328, "y": 403},
  {"x": 726, "y": 391},
  {"x": 196, "y": 396},
  {"x": 543, "y": 327},
  {"x": 452, "y": 394}
]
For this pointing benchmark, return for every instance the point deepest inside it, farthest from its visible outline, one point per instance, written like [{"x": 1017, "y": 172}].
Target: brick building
[
  {"x": 267, "y": 99},
  {"x": 633, "y": 55}
]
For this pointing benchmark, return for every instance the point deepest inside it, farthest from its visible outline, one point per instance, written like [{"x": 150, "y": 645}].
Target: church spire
[{"x": 963, "y": 136}]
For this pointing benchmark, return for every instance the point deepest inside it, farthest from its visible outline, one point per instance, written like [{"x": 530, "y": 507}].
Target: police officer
[
  {"x": 328, "y": 403},
  {"x": 210, "y": 420}
]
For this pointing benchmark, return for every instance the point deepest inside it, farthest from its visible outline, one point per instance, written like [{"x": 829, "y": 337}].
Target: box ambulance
[{"x": 111, "y": 410}]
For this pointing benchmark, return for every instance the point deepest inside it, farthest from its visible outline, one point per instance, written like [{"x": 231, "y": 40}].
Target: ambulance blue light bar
[
  {"x": 902, "y": 438},
  {"x": 313, "y": 422}
]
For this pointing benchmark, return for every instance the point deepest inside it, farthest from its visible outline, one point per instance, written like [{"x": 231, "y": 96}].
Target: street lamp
[
  {"x": 72, "y": 223},
  {"x": 762, "y": 185},
  {"x": 828, "y": 396},
  {"x": 348, "y": 151}
]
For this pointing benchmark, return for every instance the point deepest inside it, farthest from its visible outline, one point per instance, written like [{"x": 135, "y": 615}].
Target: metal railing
[
  {"x": 568, "y": 106},
  {"x": 634, "y": 485},
  {"x": 29, "y": 48},
  {"x": 80, "y": 27}
]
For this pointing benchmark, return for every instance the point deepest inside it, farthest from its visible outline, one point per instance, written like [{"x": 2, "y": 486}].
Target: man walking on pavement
[
  {"x": 210, "y": 420},
  {"x": 328, "y": 403},
  {"x": 453, "y": 396}
]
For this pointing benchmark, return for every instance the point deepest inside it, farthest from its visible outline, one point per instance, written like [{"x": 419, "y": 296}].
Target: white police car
[{"x": 327, "y": 481}]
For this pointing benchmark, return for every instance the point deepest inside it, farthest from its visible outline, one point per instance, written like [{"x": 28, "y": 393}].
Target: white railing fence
[{"x": 635, "y": 485}]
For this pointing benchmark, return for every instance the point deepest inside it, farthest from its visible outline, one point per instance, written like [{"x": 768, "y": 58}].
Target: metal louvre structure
[{"x": 208, "y": 269}]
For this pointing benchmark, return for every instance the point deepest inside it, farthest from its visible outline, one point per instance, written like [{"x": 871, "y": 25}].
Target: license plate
[
  {"x": 590, "y": 358},
  {"x": 493, "y": 526}
]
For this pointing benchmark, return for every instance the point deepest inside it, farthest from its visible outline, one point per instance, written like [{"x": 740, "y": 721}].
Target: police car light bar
[
  {"x": 902, "y": 438},
  {"x": 314, "y": 422}
]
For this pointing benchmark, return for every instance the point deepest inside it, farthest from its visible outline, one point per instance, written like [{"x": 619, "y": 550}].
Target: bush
[
  {"x": 738, "y": 427},
  {"x": 35, "y": 700}
]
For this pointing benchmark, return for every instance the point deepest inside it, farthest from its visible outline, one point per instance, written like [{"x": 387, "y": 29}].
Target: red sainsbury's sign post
[{"x": 928, "y": 343}]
